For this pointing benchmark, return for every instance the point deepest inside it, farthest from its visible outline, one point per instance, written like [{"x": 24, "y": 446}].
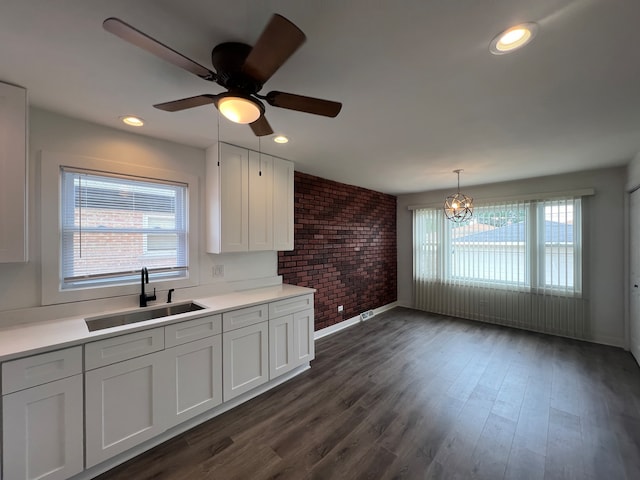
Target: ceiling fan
[{"x": 241, "y": 70}]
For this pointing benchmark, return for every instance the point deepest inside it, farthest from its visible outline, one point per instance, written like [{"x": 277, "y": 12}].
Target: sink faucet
[{"x": 144, "y": 278}]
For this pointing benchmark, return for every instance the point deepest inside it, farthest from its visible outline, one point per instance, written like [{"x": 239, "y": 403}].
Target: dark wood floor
[{"x": 412, "y": 395}]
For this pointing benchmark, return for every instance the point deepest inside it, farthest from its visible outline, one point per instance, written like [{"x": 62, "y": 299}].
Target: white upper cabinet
[
  {"x": 249, "y": 201},
  {"x": 283, "y": 200},
  {"x": 260, "y": 201},
  {"x": 13, "y": 174},
  {"x": 227, "y": 193}
]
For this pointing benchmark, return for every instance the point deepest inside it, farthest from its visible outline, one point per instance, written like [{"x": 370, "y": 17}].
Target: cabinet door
[
  {"x": 245, "y": 359},
  {"x": 234, "y": 199},
  {"x": 260, "y": 201},
  {"x": 304, "y": 343},
  {"x": 281, "y": 353},
  {"x": 42, "y": 431},
  {"x": 283, "y": 203},
  {"x": 227, "y": 199},
  {"x": 196, "y": 378},
  {"x": 13, "y": 174},
  {"x": 125, "y": 405}
]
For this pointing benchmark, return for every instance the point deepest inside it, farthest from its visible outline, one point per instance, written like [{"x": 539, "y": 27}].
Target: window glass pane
[
  {"x": 559, "y": 242},
  {"x": 112, "y": 226},
  {"x": 491, "y": 246}
]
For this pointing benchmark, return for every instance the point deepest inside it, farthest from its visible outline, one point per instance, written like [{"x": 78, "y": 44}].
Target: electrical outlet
[
  {"x": 218, "y": 271},
  {"x": 340, "y": 308}
]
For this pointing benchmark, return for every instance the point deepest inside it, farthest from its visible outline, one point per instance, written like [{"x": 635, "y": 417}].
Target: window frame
[{"x": 51, "y": 224}]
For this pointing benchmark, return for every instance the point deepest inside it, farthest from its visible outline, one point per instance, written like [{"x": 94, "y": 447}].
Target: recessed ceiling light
[
  {"x": 513, "y": 38},
  {"x": 281, "y": 139},
  {"x": 132, "y": 121}
]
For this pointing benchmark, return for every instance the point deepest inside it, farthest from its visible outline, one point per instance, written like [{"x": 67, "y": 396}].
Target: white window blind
[
  {"x": 515, "y": 262},
  {"x": 113, "y": 225}
]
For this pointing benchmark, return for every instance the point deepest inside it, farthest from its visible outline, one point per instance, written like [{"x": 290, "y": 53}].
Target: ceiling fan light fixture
[
  {"x": 132, "y": 120},
  {"x": 513, "y": 38},
  {"x": 240, "y": 109}
]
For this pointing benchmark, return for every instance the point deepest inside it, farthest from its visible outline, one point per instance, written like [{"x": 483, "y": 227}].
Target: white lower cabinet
[
  {"x": 42, "y": 431},
  {"x": 125, "y": 405},
  {"x": 291, "y": 342},
  {"x": 245, "y": 360},
  {"x": 195, "y": 378},
  {"x": 303, "y": 345},
  {"x": 138, "y": 385},
  {"x": 281, "y": 354}
]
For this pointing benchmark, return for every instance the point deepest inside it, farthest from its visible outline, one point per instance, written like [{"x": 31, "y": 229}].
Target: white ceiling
[{"x": 422, "y": 94}]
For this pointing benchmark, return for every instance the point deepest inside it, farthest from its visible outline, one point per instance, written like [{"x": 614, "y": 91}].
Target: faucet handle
[
  {"x": 171, "y": 290},
  {"x": 152, "y": 297}
]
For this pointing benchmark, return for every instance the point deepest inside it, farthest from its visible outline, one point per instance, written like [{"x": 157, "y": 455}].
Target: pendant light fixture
[{"x": 458, "y": 207}]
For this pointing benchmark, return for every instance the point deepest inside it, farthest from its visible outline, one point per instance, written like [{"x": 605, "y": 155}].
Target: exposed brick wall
[{"x": 345, "y": 247}]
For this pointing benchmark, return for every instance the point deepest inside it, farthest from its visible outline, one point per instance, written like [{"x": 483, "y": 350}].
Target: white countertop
[{"x": 20, "y": 340}]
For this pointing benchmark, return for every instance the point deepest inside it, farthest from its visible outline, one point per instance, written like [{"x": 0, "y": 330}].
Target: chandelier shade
[{"x": 458, "y": 207}]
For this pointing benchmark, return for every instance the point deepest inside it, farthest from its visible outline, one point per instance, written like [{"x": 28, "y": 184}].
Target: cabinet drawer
[
  {"x": 290, "y": 305},
  {"x": 40, "y": 369},
  {"x": 116, "y": 349},
  {"x": 183, "y": 332},
  {"x": 244, "y": 317}
]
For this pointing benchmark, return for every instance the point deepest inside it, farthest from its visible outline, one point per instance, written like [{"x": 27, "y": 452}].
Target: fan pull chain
[
  {"x": 218, "y": 126},
  {"x": 260, "y": 155}
]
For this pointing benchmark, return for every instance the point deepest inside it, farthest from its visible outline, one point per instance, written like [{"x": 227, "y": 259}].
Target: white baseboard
[
  {"x": 350, "y": 322},
  {"x": 608, "y": 340}
]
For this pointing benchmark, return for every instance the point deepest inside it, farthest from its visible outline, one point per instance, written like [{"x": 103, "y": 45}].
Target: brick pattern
[{"x": 345, "y": 247}]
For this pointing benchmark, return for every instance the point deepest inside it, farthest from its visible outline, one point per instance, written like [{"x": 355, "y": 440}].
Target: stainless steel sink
[{"x": 135, "y": 316}]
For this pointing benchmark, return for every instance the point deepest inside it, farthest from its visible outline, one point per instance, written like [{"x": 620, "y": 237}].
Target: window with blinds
[
  {"x": 527, "y": 245},
  {"x": 113, "y": 225}
]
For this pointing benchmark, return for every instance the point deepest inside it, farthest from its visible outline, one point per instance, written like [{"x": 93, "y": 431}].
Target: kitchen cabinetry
[
  {"x": 249, "y": 201},
  {"x": 260, "y": 201},
  {"x": 125, "y": 402},
  {"x": 42, "y": 419},
  {"x": 195, "y": 374},
  {"x": 303, "y": 343},
  {"x": 291, "y": 342},
  {"x": 139, "y": 389},
  {"x": 227, "y": 205},
  {"x": 283, "y": 203},
  {"x": 13, "y": 174},
  {"x": 281, "y": 356},
  {"x": 245, "y": 346}
]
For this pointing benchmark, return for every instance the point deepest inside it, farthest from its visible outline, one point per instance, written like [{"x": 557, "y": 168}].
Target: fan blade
[
  {"x": 151, "y": 45},
  {"x": 261, "y": 127},
  {"x": 185, "y": 103},
  {"x": 276, "y": 44},
  {"x": 301, "y": 103}
]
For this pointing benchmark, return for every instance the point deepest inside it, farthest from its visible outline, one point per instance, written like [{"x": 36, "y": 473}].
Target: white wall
[
  {"x": 20, "y": 284},
  {"x": 633, "y": 173},
  {"x": 605, "y": 260}
]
